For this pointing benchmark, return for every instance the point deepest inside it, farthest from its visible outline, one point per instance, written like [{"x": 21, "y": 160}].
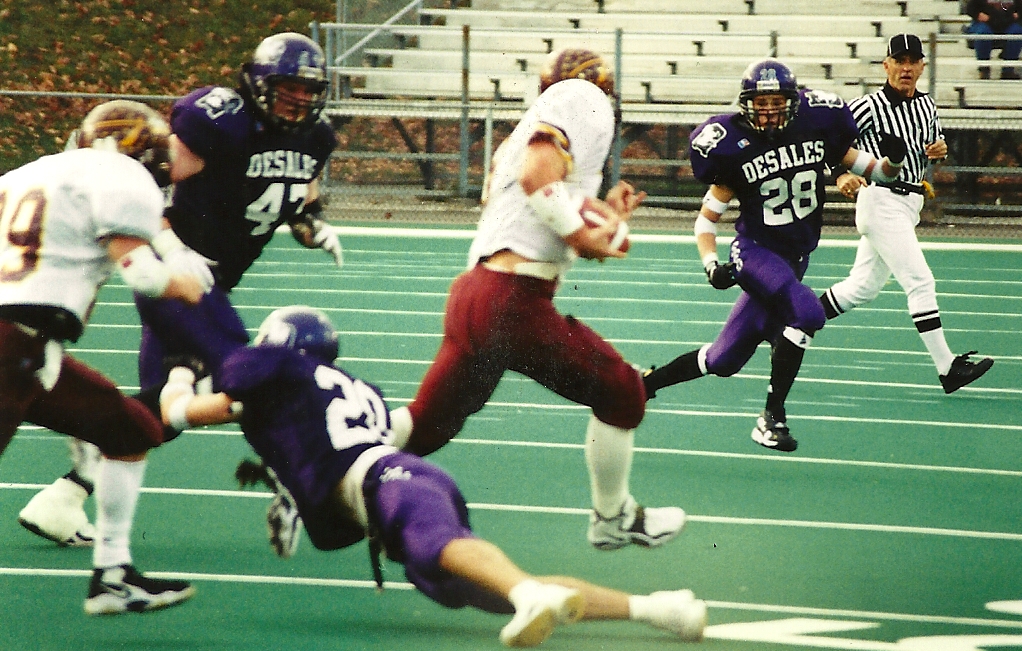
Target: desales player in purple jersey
[
  {"x": 246, "y": 160},
  {"x": 772, "y": 156}
]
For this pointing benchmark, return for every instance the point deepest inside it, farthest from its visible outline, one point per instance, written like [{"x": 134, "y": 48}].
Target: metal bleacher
[{"x": 677, "y": 61}]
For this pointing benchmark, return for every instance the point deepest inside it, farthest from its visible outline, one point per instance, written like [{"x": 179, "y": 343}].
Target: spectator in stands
[
  {"x": 326, "y": 438},
  {"x": 501, "y": 316},
  {"x": 886, "y": 214},
  {"x": 771, "y": 156},
  {"x": 247, "y": 160},
  {"x": 991, "y": 17}
]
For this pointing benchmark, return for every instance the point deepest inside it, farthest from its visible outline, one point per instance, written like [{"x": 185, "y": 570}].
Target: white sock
[
  {"x": 641, "y": 608},
  {"x": 117, "y": 487},
  {"x": 608, "y": 453},
  {"x": 937, "y": 345}
]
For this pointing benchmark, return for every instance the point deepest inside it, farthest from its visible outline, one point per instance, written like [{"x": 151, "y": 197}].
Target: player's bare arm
[
  {"x": 720, "y": 276},
  {"x": 884, "y": 170},
  {"x": 714, "y": 205},
  {"x": 183, "y": 161},
  {"x": 181, "y": 408}
]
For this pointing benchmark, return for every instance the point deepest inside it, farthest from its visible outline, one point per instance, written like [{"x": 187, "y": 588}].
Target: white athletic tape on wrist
[
  {"x": 181, "y": 375},
  {"x": 177, "y": 414},
  {"x": 710, "y": 259},
  {"x": 870, "y": 168},
  {"x": 704, "y": 225},
  {"x": 713, "y": 203},
  {"x": 144, "y": 272},
  {"x": 165, "y": 242},
  {"x": 180, "y": 380},
  {"x": 558, "y": 207}
]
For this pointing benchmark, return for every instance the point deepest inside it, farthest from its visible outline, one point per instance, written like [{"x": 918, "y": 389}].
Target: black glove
[
  {"x": 721, "y": 276},
  {"x": 893, "y": 147}
]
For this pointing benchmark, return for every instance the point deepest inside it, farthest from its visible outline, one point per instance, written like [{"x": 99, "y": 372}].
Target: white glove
[
  {"x": 183, "y": 260},
  {"x": 326, "y": 239}
]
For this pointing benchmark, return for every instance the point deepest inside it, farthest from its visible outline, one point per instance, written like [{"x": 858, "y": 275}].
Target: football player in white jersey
[
  {"x": 500, "y": 314},
  {"x": 68, "y": 220}
]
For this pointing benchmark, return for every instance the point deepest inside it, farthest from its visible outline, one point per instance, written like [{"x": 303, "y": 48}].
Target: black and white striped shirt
[{"x": 913, "y": 119}]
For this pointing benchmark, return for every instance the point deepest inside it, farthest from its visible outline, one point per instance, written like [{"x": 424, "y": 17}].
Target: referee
[{"x": 886, "y": 214}]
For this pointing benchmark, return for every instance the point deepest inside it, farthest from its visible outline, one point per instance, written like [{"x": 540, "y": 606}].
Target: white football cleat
[
  {"x": 284, "y": 524},
  {"x": 57, "y": 513},
  {"x": 539, "y": 607},
  {"x": 636, "y": 525},
  {"x": 677, "y": 611},
  {"x": 123, "y": 589}
]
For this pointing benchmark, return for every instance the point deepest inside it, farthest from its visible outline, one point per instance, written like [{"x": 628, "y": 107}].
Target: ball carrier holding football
[{"x": 541, "y": 214}]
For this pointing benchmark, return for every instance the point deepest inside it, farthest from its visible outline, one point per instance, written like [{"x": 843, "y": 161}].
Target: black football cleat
[
  {"x": 772, "y": 433},
  {"x": 964, "y": 372}
]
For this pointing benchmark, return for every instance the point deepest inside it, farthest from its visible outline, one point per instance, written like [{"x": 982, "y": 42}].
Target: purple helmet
[
  {"x": 768, "y": 77},
  {"x": 292, "y": 58},
  {"x": 302, "y": 329}
]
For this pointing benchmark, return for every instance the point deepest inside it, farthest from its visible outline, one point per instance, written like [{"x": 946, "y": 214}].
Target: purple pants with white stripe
[{"x": 418, "y": 510}]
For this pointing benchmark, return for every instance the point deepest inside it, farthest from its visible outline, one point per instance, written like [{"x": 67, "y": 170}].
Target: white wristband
[
  {"x": 177, "y": 413},
  {"x": 710, "y": 259},
  {"x": 704, "y": 225},
  {"x": 558, "y": 207},
  {"x": 714, "y": 204},
  {"x": 144, "y": 272},
  {"x": 863, "y": 164}
]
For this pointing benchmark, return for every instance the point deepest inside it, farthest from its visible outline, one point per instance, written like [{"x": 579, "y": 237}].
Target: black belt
[
  {"x": 50, "y": 321},
  {"x": 902, "y": 188}
]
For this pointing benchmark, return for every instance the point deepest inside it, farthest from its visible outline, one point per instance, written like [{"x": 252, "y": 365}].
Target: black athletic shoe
[
  {"x": 773, "y": 434},
  {"x": 122, "y": 589},
  {"x": 963, "y": 372}
]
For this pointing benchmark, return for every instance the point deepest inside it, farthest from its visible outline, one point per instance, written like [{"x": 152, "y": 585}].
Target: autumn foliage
[{"x": 137, "y": 47}]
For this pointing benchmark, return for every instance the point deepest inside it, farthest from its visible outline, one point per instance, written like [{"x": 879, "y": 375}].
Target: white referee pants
[{"x": 888, "y": 245}]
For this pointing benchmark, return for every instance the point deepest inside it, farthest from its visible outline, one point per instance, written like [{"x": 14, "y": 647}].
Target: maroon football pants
[
  {"x": 500, "y": 321},
  {"x": 82, "y": 403}
]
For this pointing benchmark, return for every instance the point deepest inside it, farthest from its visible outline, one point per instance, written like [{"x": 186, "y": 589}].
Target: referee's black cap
[{"x": 905, "y": 44}]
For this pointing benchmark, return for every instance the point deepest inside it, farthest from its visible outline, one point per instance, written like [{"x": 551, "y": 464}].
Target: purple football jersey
[
  {"x": 309, "y": 421},
  {"x": 779, "y": 181},
  {"x": 254, "y": 179}
]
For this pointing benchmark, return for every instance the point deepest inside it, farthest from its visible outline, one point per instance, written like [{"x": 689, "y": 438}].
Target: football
[{"x": 592, "y": 215}]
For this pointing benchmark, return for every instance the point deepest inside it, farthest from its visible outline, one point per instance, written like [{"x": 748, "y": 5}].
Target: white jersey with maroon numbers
[
  {"x": 579, "y": 118},
  {"x": 54, "y": 215}
]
